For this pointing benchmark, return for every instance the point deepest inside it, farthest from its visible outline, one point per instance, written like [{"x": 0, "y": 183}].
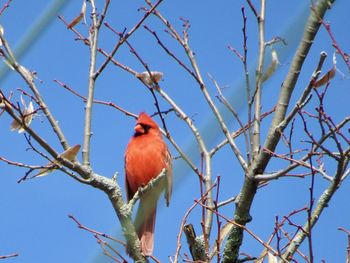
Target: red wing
[{"x": 129, "y": 194}]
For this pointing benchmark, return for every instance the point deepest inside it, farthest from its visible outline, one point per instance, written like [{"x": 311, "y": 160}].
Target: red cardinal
[{"x": 145, "y": 157}]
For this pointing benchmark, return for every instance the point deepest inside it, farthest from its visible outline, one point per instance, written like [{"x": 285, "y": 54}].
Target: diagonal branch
[
  {"x": 196, "y": 74},
  {"x": 29, "y": 79},
  {"x": 322, "y": 203},
  {"x": 304, "y": 97},
  {"x": 124, "y": 37}
]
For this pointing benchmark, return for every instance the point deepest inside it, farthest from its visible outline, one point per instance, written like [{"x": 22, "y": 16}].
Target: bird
[{"x": 146, "y": 156}]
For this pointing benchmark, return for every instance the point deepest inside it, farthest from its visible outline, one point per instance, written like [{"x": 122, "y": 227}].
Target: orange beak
[{"x": 139, "y": 129}]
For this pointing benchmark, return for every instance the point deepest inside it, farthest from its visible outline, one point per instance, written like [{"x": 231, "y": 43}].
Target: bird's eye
[{"x": 146, "y": 127}]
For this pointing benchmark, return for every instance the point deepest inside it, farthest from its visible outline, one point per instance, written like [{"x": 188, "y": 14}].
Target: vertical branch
[
  {"x": 311, "y": 28},
  {"x": 93, "y": 36},
  {"x": 218, "y": 221},
  {"x": 348, "y": 245},
  {"x": 247, "y": 81},
  {"x": 309, "y": 210},
  {"x": 205, "y": 155},
  {"x": 259, "y": 80},
  {"x": 247, "y": 194}
]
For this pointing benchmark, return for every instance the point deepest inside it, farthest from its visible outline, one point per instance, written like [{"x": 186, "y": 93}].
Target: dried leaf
[
  {"x": 70, "y": 154},
  {"x": 273, "y": 66},
  {"x": 146, "y": 77},
  {"x": 325, "y": 78},
  {"x": 271, "y": 258},
  {"x": 28, "y": 114},
  {"x": 45, "y": 171},
  {"x": 77, "y": 19}
]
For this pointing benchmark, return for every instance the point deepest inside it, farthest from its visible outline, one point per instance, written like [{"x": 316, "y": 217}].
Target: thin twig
[
  {"x": 223, "y": 99},
  {"x": 335, "y": 44},
  {"x": 255, "y": 136},
  {"x": 9, "y": 256},
  {"x": 274, "y": 252},
  {"x": 123, "y": 37},
  {"x": 317, "y": 145},
  {"x": 239, "y": 132},
  {"x": 107, "y": 103},
  {"x": 5, "y": 6},
  {"x": 81, "y": 226},
  {"x": 322, "y": 203},
  {"x": 184, "y": 219}
]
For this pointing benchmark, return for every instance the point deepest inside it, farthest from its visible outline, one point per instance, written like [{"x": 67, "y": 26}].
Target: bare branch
[
  {"x": 287, "y": 88},
  {"x": 9, "y": 256},
  {"x": 234, "y": 113},
  {"x": 302, "y": 160},
  {"x": 234, "y": 223},
  {"x": 107, "y": 103},
  {"x": 249, "y": 187},
  {"x": 304, "y": 97},
  {"x": 81, "y": 226},
  {"x": 295, "y": 163},
  {"x": 182, "y": 226},
  {"x": 239, "y": 132},
  {"x": 103, "y": 13},
  {"x": 255, "y": 137},
  {"x": 29, "y": 79},
  {"x": 124, "y": 37},
  {"x": 322, "y": 203},
  {"x": 93, "y": 37},
  {"x": 5, "y": 6},
  {"x": 197, "y": 76},
  {"x": 344, "y": 55}
]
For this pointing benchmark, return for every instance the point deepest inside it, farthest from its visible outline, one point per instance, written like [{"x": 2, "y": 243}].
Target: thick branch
[
  {"x": 303, "y": 98},
  {"x": 122, "y": 210},
  {"x": 310, "y": 31},
  {"x": 248, "y": 191}
]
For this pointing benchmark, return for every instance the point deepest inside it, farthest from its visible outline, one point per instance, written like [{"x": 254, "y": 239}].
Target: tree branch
[
  {"x": 322, "y": 203},
  {"x": 255, "y": 137},
  {"x": 311, "y": 28},
  {"x": 93, "y": 38},
  {"x": 29, "y": 79},
  {"x": 249, "y": 187}
]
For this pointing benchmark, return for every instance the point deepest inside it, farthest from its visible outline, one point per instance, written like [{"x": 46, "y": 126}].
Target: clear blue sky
[{"x": 34, "y": 219}]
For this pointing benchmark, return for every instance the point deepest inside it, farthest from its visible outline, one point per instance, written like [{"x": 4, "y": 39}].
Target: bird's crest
[{"x": 145, "y": 119}]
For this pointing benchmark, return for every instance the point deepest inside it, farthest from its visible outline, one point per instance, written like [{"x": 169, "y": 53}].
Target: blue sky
[{"x": 34, "y": 220}]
